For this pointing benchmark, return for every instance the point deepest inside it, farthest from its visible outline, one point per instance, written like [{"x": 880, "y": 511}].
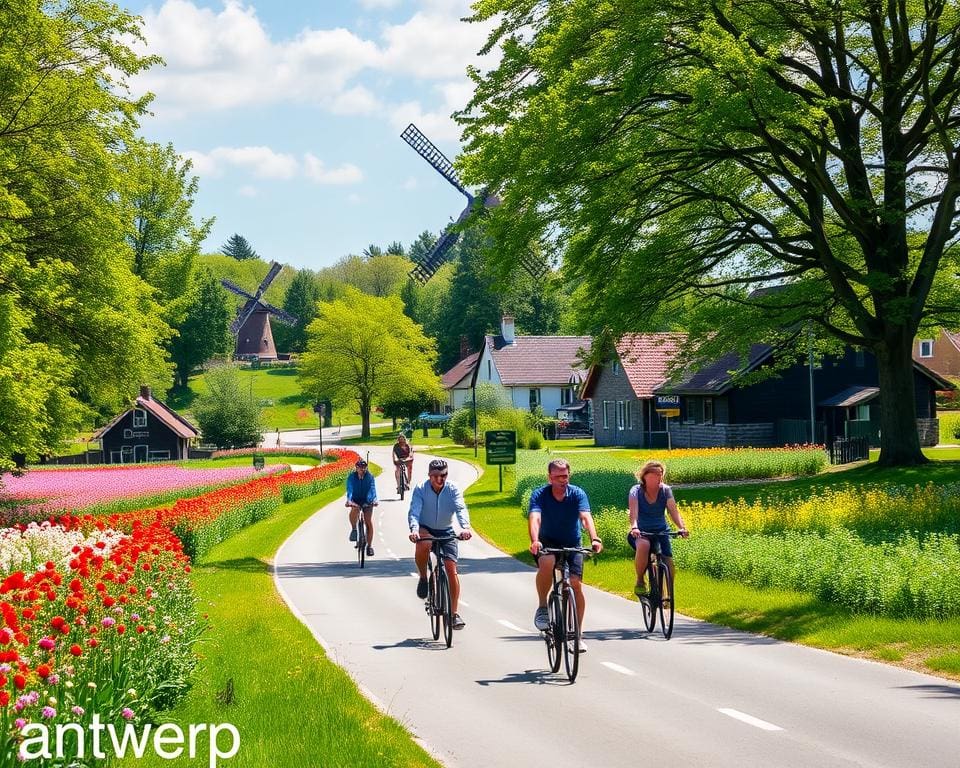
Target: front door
[{"x": 140, "y": 453}]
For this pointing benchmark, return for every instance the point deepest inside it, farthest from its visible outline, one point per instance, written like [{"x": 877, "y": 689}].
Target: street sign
[
  {"x": 501, "y": 446},
  {"x": 667, "y": 405},
  {"x": 674, "y": 412}
]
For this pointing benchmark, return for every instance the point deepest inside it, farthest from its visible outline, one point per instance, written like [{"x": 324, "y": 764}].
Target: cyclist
[
  {"x": 361, "y": 495},
  {"x": 432, "y": 508},
  {"x": 558, "y": 513},
  {"x": 649, "y": 502},
  {"x": 403, "y": 454}
]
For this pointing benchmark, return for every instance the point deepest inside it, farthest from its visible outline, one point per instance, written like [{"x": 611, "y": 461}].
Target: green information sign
[{"x": 501, "y": 446}]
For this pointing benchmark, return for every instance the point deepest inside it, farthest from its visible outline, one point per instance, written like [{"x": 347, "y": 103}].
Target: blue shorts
[
  {"x": 663, "y": 537},
  {"x": 449, "y": 549},
  {"x": 575, "y": 560}
]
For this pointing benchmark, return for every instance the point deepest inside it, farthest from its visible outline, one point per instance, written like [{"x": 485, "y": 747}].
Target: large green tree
[
  {"x": 239, "y": 248},
  {"x": 362, "y": 348},
  {"x": 673, "y": 147},
  {"x": 228, "y": 414},
  {"x": 202, "y": 326},
  {"x": 300, "y": 300},
  {"x": 81, "y": 332}
]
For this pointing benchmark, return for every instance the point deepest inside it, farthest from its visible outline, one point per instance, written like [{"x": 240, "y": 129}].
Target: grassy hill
[{"x": 284, "y": 405}]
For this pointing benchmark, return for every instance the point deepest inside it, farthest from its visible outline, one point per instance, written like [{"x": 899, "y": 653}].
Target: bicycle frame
[
  {"x": 564, "y": 630},
  {"x": 439, "y": 603},
  {"x": 361, "y": 538},
  {"x": 660, "y": 598}
]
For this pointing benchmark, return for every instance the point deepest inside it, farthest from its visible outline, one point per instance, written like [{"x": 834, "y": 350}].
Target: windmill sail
[{"x": 251, "y": 326}]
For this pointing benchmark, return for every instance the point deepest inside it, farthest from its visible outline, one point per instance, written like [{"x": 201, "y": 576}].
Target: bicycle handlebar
[
  {"x": 673, "y": 534},
  {"x": 441, "y": 539},
  {"x": 567, "y": 550}
]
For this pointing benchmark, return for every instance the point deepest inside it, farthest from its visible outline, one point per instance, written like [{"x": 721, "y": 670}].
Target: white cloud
[
  {"x": 433, "y": 45},
  {"x": 316, "y": 171},
  {"x": 262, "y": 161},
  {"x": 247, "y": 190},
  {"x": 373, "y": 4}
]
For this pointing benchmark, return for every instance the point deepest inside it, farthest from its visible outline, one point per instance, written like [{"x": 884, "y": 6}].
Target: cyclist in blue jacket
[{"x": 361, "y": 495}]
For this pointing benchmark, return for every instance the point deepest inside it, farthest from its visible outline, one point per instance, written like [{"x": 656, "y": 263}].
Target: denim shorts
[
  {"x": 665, "y": 542},
  {"x": 449, "y": 549},
  {"x": 575, "y": 560}
]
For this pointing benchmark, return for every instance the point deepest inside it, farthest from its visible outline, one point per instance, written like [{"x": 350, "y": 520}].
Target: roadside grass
[
  {"x": 388, "y": 436},
  {"x": 284, "y": 404},
  {"x": 929, "y": 646},
  {"x": 262, "y": 671}
]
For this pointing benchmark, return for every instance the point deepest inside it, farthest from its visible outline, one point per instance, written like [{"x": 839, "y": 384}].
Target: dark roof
[
  {"x": 177, "y": 424},
  {"x": 851, "y": 396},
  {"x": 718, "y": 376},
  {"x": 461, "y": 369},
  {"x": 551, "y": 360},
  {"x": 645, "y": 358}
]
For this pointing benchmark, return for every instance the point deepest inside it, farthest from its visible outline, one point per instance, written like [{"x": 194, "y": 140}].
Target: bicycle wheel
[
  {"x": 446, "y": 607},
  {"x": 571, "y": 634},
  {"x": 554, "y": 635},
  {"x": 361, "y": 540},
  {"x": 403, "y": 481},
  {"x": 666, "y": 601},
  {"x": 433, "y": 600},
  {"x": 647, "y": 603}
]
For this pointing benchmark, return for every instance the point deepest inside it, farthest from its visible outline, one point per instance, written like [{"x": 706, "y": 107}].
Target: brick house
[
  {"x": 940, "y": 353},
  {"x": 149, "y": 431}
]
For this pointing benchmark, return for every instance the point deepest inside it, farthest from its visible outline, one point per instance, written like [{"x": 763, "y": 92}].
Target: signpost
[
  {"x": 501, "y": 447},
  {"x": 667, "y": 406},
  {"x": 320, "y": 409}
]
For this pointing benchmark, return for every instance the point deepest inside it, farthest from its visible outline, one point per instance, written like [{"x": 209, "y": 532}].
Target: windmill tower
[
  {"x": 251, "y": 326},
  {"x": 441, "y": 163}
]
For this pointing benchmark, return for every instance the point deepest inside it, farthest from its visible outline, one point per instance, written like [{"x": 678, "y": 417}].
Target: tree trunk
[
  {"x": 899, "y": 440},
  {"x": 364, "y": 418}
]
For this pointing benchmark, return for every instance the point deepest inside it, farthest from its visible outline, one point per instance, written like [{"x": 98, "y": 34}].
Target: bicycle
[
  {"x": 404, "y": 480},
  {"x": 439, "y": 602},
  {"x": 564, "y": 629},
  {"x": 660, "y": 597},
  {"x": 362, "y": 542}
]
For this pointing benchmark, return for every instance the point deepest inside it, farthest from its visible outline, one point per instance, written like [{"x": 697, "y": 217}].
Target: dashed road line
[
  {"x": 756, "y": 722},
  {"x": 618, "y": 668},
  {"x": 511, "y": 625}
]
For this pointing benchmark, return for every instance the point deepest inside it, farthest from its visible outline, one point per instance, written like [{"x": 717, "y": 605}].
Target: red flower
[
  {"x": 44, "y": 671},
  {"x": 76, "y": 650},
  {"x": 19, "y": 681}
]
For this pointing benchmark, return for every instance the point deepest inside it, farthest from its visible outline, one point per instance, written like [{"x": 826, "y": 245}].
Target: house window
[
  {"x": 708, "y": 410},
  {"x": 139, "y": 418},
  {"x": 606, "y": 412},
  {"x": 860, "y": 358},
  {"x": 534, "y": 397},
  {"x": 489, "y": 370},
  {"x": 627, "y": 415},
  {"x": 926, "y": 348},
  {"x": 616, "y": 367},
  {"x": 566, "y": 396},
  {"x": 860, "y": 413},
  {"x": 694, "y": 414},
  {"x": 620, "y": 415}
]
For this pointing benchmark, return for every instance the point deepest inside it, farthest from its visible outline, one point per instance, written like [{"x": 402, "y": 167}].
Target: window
[
  {"x": 707, "y": 410},
  {"x": 566, "y": 396},
  {"x": 862, "y": 413},
  {"x": 139, "y": 418},
  {"x": 606, "y": 412},
  {"x": 627, "y": 415},
  {"x": 860, "y": 358},
  {"x": 534, "y": 397},
  {"x": 128, "y": 434},
  {"x": 694, "y": 414},
  {"x": 926, "y": 348},
  {"x": 489, "y": 370},
  {"x": 616, "y": 367},
  {"x": 620, "y": 415}
]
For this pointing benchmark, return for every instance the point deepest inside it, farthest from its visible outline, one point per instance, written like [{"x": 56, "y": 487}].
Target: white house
[{"x": 532, "y": 370}]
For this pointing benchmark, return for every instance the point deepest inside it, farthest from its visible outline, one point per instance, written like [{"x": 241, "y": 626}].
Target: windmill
[
  {"x": 441, "y": 163},
  {"x": 251, "y": 326}
]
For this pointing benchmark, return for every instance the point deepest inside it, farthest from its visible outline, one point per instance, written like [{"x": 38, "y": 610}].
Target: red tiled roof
[
  {"x": 645, "y": 358},
  {"x": 179, "y": 425},
  {"x": 550, "y": 360},
  {"x": 461, "y": 369}
]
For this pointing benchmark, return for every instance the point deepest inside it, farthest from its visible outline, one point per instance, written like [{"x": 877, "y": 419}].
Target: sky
[{"x": 291, "y": 112}]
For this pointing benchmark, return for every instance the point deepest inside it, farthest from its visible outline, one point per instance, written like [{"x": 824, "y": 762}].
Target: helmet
[
  {"x": 361, "y": 463},
  {"x": 437, "y": 465}
]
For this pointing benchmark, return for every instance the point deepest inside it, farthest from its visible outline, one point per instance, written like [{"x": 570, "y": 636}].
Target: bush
[{"x": 228, "y": 416}]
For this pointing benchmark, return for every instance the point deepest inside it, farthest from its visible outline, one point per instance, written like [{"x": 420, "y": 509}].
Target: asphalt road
[{"x": 711, "y": 696}]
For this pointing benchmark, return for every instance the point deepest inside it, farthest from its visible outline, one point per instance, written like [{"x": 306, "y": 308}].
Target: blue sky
[{"x": 291, "y": 112}]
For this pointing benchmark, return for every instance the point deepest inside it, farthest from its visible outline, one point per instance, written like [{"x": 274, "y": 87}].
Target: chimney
[
  {"x": 465, "y": 349},
  {"x": 506, "y": 329},
  {"x": 145, "y": 392}
]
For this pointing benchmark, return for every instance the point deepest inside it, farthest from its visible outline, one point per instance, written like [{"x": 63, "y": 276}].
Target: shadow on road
[
  {"x": 935, "y": 691},
  {"x": 380, "y": 567},
  {"x": 414, "y": 642},
  {"x": 529, "y": 677}
]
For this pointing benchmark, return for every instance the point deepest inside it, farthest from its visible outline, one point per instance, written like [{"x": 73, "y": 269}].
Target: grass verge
[
  {"x": 263, "y": 671},
  {"x": 928, "y": 646}
]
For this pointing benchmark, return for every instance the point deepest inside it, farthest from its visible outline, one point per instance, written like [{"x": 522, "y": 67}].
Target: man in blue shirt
[
  {"x": 558, "y": 513},
  {"x": 432, "y": 508},
  {"x": 361, "y": 495}
]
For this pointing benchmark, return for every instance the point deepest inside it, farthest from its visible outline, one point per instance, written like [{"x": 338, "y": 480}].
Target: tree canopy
[
  {"x": 228, "y": 414},
  {"x": 362, "y": 348},
  {"x": 669, "y": 149},
  {"x": 202, "y": 323},
  {"x": 237, "y": 247}
]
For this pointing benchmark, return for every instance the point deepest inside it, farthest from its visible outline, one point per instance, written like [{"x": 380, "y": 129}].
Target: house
[
  {"x": 149, "y": 431},
  {"x": 458, "y": 382},
  {"x": 533, "y": 370},
  {"x": 710, "y": 409},
  {"x": 940, "y": 352}
]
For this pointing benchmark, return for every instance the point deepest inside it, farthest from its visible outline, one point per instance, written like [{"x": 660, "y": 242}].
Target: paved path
[{"x": 711, "y": 696}]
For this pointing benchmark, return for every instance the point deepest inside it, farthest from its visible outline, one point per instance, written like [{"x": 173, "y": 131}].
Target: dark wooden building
[
  {"x": 149, "y": 431},
  {"x": 715, "y": 410}
]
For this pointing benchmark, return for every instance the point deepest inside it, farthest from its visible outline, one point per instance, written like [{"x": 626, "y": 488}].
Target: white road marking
[
  {"x": 618, "y": 668},
  {"x": 512, "y": 626},
  {"x": 464, "y": 602},
  {"x": 749, "y": 719},
  {"x": 415, "y": 575}
]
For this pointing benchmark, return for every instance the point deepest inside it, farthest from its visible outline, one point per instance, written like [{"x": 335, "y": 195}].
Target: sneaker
[
  {"x": 458, "y": 623},
  {"x": 422, "y": 588},
  {"x": 369, "y": 551},
  {"x": 640, "y": 590},
  {"x": 353, "y": 534},
  {"x": 541, "y": 619},
  {"x": 582, "y": 647}
]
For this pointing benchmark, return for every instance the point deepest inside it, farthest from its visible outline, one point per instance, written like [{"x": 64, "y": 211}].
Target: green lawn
[
  {"x": 930, "y": 646},
  {"x": 285, "y": 406},
  {"x": 262, "y": 671}
]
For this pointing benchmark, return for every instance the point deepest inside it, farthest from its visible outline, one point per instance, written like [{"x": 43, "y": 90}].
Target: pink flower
[
  {"x": 47, "y": 643},
  {"x": 108, "y": 621},
  {"x": 127, "y": 713}
]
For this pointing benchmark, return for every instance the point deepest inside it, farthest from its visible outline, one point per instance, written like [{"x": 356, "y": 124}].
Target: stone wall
[{"x": 726, "y": 435}]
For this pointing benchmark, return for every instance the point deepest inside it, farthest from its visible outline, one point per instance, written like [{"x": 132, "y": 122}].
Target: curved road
[{"x": 711, "y": 696}]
